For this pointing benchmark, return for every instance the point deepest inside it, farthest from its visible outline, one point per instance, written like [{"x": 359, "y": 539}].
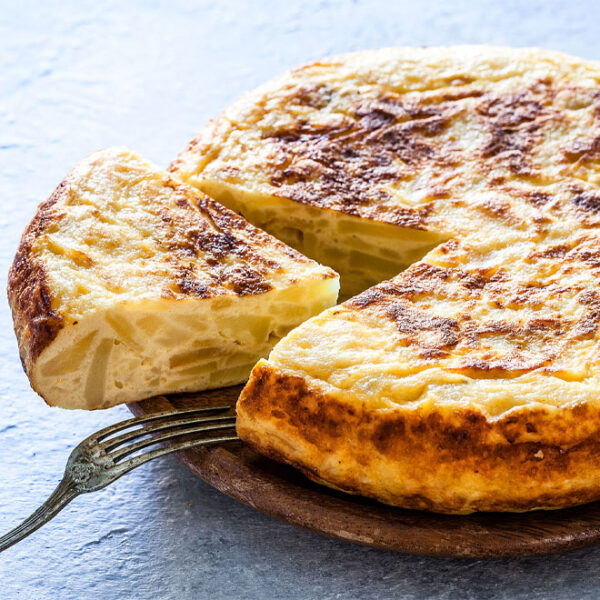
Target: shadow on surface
[{"x": 285, "y": 560}]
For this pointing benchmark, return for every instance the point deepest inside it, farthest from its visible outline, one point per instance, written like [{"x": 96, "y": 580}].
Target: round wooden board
[{"x": 284, "y": 493}]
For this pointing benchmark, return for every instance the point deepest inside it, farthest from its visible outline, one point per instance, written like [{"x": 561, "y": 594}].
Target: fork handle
[{"x": 60, "y": 497}]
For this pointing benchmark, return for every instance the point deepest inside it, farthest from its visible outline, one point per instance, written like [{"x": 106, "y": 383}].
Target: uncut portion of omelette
[{"x": 470, "y": 380}]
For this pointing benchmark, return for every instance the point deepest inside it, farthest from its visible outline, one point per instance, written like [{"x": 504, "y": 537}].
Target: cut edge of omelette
[{"x": 129, "y": 284}]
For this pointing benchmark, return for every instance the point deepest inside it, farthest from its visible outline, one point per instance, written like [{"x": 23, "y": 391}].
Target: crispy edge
[
  {"x": 527, "y": 459},
  {"x": 36, "y": 323}
]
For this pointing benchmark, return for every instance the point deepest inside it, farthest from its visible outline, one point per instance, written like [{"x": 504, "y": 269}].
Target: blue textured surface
[{"x": 78, "y": 76}]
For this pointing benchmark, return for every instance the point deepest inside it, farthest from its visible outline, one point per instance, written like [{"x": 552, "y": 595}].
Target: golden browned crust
[
  {"x": 532, "y": 342},
  {"x": 36, "y": 323},
  {"x": 455, "y": 462},
  {"x": 390, "y": 138}
]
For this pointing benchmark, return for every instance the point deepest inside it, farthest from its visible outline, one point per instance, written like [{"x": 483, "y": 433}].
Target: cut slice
[
  {"x": 469, "y": 382},
  {"x": 128, "y": 284}
]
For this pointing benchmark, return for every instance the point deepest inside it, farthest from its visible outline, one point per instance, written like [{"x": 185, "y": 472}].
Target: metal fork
[{"x": 100, "y": 458}]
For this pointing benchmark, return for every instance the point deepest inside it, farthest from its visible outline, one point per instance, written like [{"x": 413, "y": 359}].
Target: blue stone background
[{"x": 77, "y": 76}]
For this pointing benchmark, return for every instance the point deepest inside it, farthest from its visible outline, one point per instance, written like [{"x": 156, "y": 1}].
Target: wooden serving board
[{"x": 284, "y": 493}]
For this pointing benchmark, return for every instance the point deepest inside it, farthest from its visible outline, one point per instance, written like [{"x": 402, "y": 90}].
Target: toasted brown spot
[
  {"x": 461, "y": 94},
  {"x": 315, "y": 97},
  {"x": 499, "y": 208},
  {"x": 412, "y": 322},
  {"x": 190, "y": 286},
  {"x": 245, "y": 281},
  {"x": 512, "y": 110},
  {"x": 556, "y": 251},
  {"x": 538, "y": 198},
  {"x": 513, "y": 122},
  {"x": 587, "y": 202},
  {"x": 511, "y": 146},
  {"x": 586, "y": 149}
]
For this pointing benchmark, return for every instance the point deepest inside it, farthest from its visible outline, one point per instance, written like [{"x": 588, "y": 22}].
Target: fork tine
[
  {"x": 153, "y": 427},
  {"x": 136, "y": 461},
  {"x": 104, "y": 433},
  {"x": 170, "y": 435}
]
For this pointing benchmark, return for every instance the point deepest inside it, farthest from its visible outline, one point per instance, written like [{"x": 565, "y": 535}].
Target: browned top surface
[
  {"x": 525, "y": 312},
  {"x": 413, "y": 137},
  {"x": 488, "y": 325}
]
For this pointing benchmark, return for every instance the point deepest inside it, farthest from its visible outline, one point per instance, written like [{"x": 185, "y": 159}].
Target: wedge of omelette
[
  {"x": 128, "y": 284},
  {"x": 471, "y": 380}
]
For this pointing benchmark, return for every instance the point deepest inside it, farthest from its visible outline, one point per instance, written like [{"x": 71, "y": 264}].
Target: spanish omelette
[{"x": 469, "y": 381}]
